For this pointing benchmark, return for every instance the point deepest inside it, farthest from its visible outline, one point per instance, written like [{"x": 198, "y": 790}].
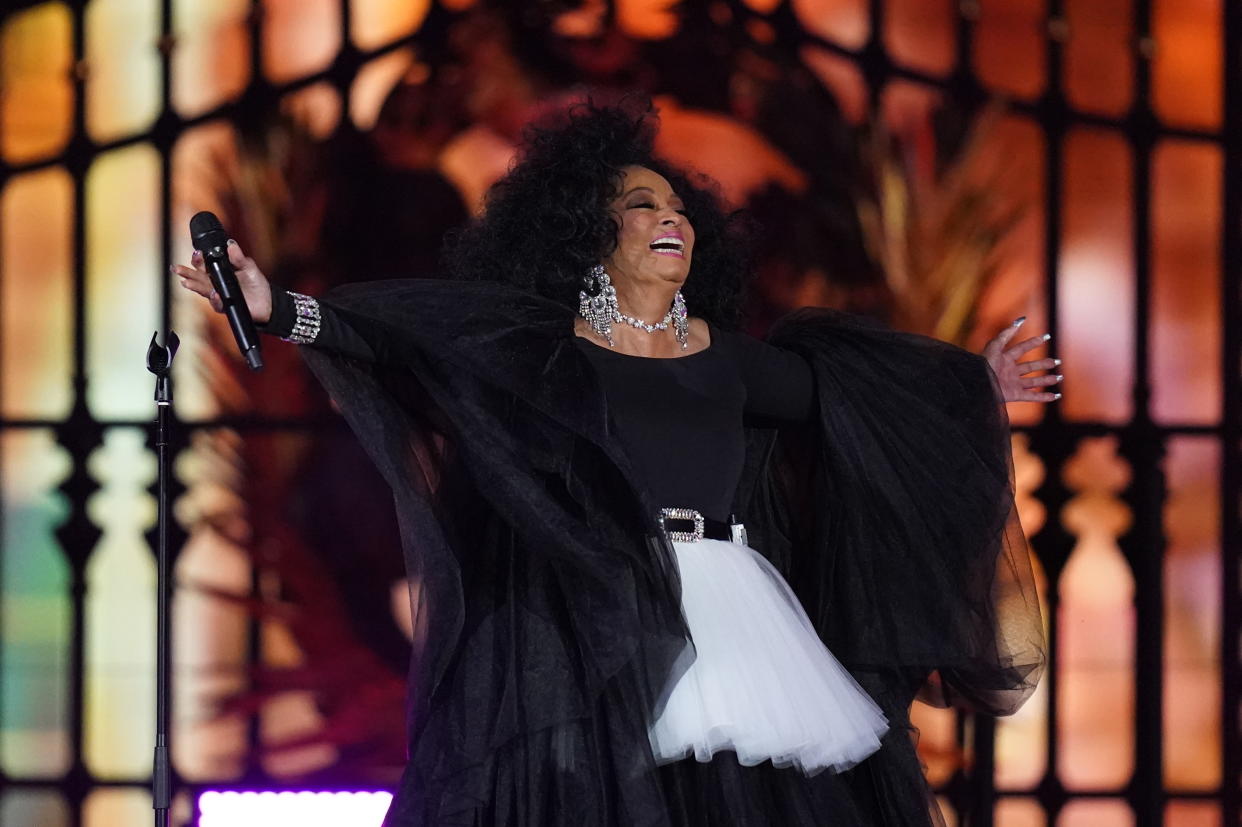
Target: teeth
[{"x": 668, "y": 244}]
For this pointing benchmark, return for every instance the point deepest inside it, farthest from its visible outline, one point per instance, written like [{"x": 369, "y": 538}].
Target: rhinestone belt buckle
[{"x": 685, "y": 515}]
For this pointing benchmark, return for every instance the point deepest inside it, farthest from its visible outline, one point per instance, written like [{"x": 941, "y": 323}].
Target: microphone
[{"x": 210, "y": 239}]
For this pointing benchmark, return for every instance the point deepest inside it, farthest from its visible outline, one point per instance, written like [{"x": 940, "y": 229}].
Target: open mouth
[{"x": 670, "y": 245}]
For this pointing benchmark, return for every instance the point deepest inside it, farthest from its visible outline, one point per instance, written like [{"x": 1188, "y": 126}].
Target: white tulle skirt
[{"x": 763, "y": 684}]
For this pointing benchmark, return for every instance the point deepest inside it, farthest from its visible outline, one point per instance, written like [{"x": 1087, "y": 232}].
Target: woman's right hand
[{"x": 255, "y": 287}]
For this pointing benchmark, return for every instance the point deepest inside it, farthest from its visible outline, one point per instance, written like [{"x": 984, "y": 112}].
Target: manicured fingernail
[
  {"x": 1018, "y": 321},
  {"x": 1059, "y": 377},
  {"x": 1046, "y": 337},
  {"x": 196, "y": 255},
  {"x": 232, "y": 243},
  {"x": 1056, "y": 362},
  {"x": 1056, "y": 396}
]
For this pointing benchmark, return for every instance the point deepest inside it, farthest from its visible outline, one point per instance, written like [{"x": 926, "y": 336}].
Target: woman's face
[{"x": 654, "y": 237}]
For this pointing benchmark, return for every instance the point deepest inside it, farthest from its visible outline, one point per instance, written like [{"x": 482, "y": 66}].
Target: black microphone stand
[{"x": 159, "y": 362}]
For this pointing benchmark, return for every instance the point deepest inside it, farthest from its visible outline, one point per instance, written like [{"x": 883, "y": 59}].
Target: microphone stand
[{"x": 159, "y": 362}]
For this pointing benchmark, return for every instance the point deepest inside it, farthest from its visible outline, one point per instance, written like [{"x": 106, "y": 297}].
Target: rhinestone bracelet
[{"x": 306, "y": 328}]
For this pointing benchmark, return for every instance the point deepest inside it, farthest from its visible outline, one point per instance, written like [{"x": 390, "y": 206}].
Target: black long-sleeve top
[{"x": 681, "y": 419}]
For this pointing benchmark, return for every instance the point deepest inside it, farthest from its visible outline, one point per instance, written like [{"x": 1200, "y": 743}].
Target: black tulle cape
[{"x": 547, "y": 618}]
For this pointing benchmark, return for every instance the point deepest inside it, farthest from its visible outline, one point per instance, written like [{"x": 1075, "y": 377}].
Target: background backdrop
[{"x": 943, "y": 165}]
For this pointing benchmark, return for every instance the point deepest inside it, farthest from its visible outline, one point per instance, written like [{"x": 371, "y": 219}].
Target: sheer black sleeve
[
  {"x": 893, "y": 515},
  {"x": 545, "y": 610}
]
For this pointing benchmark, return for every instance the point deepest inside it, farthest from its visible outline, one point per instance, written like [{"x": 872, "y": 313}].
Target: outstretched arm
[
  {"x": 291, "y": 316},
  {"x": 1016, "y": 380}
]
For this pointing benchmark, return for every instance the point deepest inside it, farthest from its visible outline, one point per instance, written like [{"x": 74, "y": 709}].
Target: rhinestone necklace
[
  {"x": 676, "y": 316},
  {"x": 663, "y": 324}
]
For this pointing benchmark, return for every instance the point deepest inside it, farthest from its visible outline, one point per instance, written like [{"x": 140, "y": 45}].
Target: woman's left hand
[{"x": 1013, "y": 377}]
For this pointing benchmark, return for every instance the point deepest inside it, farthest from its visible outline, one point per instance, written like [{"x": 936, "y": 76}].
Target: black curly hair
[{"x": 546, "y": 222}]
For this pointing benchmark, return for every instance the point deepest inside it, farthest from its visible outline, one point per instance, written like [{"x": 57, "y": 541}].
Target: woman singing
[{"x": 668, "y": 574}]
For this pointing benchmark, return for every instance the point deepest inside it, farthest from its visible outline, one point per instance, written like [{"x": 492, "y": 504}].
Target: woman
[{"x": 595, "y": 641}]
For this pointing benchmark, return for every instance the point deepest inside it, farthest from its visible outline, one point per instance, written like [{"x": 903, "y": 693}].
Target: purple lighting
[{"x": 307, "y": 809}]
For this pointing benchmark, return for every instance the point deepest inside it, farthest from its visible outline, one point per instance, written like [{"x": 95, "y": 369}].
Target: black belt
[{"x": 686, "y": 525}]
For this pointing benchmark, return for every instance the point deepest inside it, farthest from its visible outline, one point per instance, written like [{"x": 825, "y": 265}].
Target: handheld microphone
[{"x": 210, "y": 239}]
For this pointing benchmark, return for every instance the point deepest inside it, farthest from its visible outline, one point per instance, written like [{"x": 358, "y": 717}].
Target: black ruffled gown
[{"x": 548, "y": 621}]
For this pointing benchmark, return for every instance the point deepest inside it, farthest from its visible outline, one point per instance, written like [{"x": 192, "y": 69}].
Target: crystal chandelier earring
[
  {"x": 681, "y": 321},
  {"x": 597, "y": 302}
]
